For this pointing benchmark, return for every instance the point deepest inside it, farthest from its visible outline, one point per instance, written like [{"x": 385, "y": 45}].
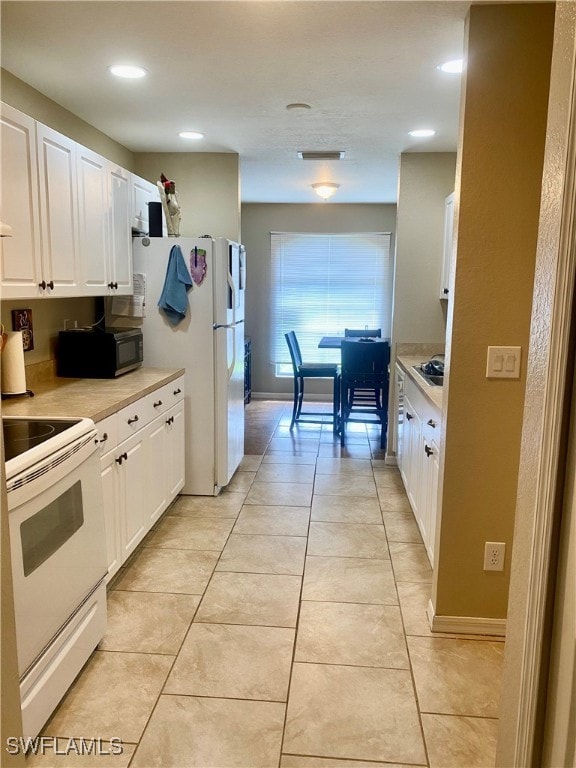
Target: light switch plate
[{"x": 503, "y": 362}]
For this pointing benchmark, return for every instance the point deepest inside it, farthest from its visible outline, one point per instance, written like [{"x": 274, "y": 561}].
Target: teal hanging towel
[{"x": 174, "y": 297}]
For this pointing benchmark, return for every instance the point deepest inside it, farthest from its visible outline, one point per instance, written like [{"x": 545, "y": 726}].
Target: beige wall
[
  {"x": 208, "y": 189},
  {"x": 48, "y": 317},
  {"x": 497, "y": 206},
  {"x": 426, "y": 178},
  {"x": 258, "y": 220},
  {"x": 25, "y": 98}
]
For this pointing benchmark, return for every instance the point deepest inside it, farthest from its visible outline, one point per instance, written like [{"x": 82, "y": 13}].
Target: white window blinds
[{"x": 324, "y": 283}]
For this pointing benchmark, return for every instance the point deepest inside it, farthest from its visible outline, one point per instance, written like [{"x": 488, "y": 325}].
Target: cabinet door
[
  {"x": 112, "y": 511},
  {"x": 175, "y": 450},
  {"x": 143, "y": 192},
  {"x": 20, "y": 256},
  {"x": 158, "y": 456},
  {"x": 134, "y": 517},
  {"x": 93, "y": 222},
  {"x": 58, "y": 211},
  {"x": 429, "y": 491},
  {"x": 121, "y": 232},
  {"x": 399, "y": 411},
  {"x": 448, "y": 246},
  {"x": 412, "y": 454}
]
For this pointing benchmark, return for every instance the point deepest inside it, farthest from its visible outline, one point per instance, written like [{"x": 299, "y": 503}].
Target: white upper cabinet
[
  {"x": 105, "y": 242},
  {"x": 70, "y": 211},
  {"x": 448, "y": 246},
  {"x": 121, "y": 232},
  {"x": 93, "y": 222},
  {"x": 58, "y": 212},
  {"x": 20, "y": 257}
]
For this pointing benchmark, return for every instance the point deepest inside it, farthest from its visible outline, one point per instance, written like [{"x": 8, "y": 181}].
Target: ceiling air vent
[{"x": 322, "y": 155}]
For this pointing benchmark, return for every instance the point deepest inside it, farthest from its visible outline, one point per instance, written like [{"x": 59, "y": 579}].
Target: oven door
[{"x": 57, "y": 540}]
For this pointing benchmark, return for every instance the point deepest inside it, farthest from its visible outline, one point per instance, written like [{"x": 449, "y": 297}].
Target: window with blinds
[{"x": 324, "y": 283}]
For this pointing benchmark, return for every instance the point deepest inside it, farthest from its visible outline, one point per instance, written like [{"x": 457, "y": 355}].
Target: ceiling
[{"x": 368, "y": 70}]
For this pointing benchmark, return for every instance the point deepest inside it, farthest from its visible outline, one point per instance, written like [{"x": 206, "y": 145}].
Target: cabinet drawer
[
  {"x": 158, "y": 402},
  {"x": 108, "y": 433},
  {"x": 431, "y": 425},
  {"x": 175, "y": 391},
  {"x": 133, "y": 417},
  {"x": 164, "y": 398}
]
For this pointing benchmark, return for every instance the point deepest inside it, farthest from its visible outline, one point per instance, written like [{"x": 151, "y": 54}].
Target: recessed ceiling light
[
  {"x": 128, "y": 71},
  {"x": 190, "y": 135},
  {"x": 453, "y": 67},
  {"x": 298, "y": 105},
  {"x": 422, "y": 133}
]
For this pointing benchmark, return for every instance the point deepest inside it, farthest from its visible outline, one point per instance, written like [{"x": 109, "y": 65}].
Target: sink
[{"x": 435, "y": 381}]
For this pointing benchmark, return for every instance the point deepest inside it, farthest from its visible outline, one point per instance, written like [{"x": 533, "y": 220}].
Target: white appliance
[
  {"x": 58, "y": 551},
  {"x": 208, "y": 343}
]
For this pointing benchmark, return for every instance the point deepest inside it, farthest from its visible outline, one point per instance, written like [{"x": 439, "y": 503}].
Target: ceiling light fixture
[
  {"x": 455, "y": 66},
  {"x": 298, "y": 105},
  {"x": 190, "y": 135},
  {"x": 127, "y": 71},
  {"x": 325, "y": 189},
  {"x": 422, "y": 133},
  {"x": 338, "y": 154}
]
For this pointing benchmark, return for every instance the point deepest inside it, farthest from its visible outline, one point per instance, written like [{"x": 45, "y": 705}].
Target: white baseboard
[
  {"x": 391, "y": 461},
  {"x": 465, "y": 625}
]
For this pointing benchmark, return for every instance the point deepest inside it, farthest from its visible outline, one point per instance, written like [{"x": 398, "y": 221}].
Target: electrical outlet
[{"x": 494, "y": 552}]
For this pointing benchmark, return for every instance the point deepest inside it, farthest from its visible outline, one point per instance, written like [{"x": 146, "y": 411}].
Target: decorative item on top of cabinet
[
  {"x": 170, "y": 204},
  {"x": 448, "y": 246}
]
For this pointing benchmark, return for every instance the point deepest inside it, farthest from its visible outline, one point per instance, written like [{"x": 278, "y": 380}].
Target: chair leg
[
  {"x": 300, "y": 397},
  {"x": 295, "y": 406},
  {"x": 336, "y": 405},
  {"x": 344, "y": 410}
]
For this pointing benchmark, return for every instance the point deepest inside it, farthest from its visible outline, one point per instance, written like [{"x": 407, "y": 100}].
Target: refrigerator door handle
[{"x": 215, "y": 326}]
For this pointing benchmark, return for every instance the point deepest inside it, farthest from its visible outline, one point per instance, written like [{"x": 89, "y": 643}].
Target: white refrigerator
[{"x": 208, "y": 343}]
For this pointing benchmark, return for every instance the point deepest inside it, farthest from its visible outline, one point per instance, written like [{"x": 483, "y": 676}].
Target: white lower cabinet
[
  {"x": 142, "y": 468},
  {"x": 175, "y": 451},
  {"x": 419, "y": 460},
  {"x": 166, "y": 445}
]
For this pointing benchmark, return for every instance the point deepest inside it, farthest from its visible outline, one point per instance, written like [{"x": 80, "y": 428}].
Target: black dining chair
[
  {"x": 375, "y": 333},
  {"x": 364, "y": 383},
  {"x": 304, "y": 371}
]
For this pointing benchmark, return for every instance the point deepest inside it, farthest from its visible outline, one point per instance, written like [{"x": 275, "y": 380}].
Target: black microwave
[{"x": 93, "y": 353}]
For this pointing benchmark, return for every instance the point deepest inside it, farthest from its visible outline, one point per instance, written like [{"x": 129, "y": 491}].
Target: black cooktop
[{"x": 22, "y": 434}]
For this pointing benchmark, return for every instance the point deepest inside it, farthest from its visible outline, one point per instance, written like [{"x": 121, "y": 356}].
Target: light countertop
[
  {"x": 90, "y": 398},
  {"x": 432, "y": 392}
]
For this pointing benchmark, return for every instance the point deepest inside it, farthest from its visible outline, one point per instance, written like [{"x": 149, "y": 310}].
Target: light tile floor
[{"x": 283, "y": 625}]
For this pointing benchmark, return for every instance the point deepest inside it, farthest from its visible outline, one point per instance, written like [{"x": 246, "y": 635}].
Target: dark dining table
[{"x": 334, "y": 342}]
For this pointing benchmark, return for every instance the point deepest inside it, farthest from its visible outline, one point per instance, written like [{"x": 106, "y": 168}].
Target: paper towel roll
[{"x": 12, "y": 361}]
